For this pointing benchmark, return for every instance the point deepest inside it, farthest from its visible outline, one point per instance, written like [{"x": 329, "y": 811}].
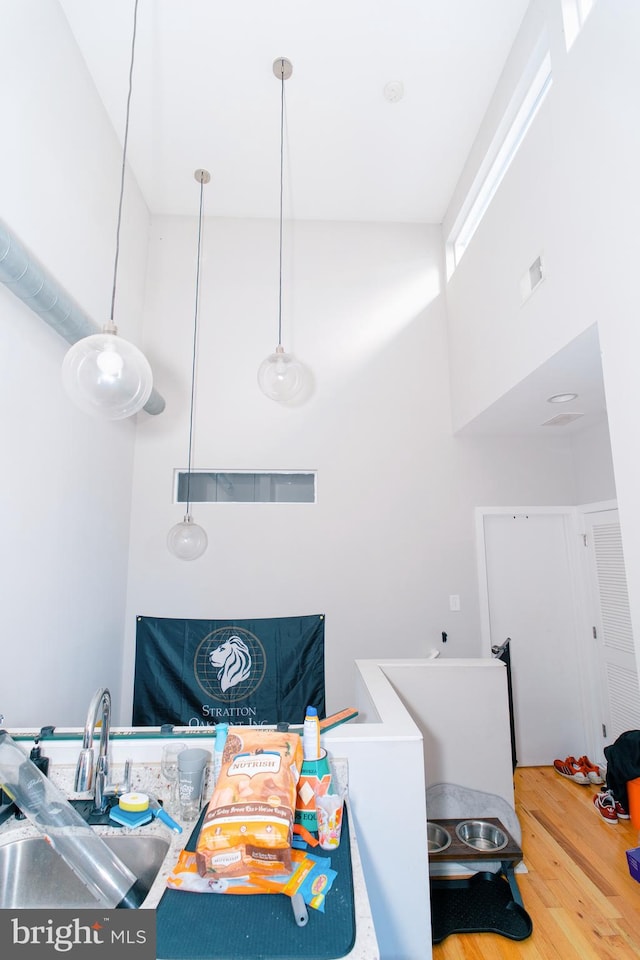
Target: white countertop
[{"x": 147, "y": 778}]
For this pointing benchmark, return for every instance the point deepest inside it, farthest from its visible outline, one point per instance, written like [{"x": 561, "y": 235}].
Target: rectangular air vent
[
  {"x": 532, "y": 278},
  {"x": 562, "y": 419}
]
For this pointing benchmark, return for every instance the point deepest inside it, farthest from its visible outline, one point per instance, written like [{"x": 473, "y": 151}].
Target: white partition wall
[{"x": 462, "y": 710}]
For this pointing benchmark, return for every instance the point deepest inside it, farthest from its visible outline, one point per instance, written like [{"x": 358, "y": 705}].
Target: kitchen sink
[{"x": 33, "y": 875}]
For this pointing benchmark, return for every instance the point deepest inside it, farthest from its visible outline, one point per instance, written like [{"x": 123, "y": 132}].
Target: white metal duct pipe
[{"x": 31, "y": 283}]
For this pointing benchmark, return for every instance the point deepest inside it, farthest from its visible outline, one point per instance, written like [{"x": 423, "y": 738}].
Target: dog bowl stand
[{"x": 482, "y": 902}]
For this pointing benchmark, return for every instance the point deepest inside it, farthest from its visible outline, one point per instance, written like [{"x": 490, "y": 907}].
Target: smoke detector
[{"x": 394, "y": 91}]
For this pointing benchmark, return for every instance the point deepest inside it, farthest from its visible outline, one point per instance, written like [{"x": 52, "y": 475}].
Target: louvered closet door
[{"x": 619, "y": 673}]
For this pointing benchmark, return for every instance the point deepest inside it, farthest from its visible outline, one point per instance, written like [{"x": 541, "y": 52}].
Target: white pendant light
[
  {"x": 103, "y": 374},
  {"x": 187, "y": 540},
  {"x": 281, "y": 376}
]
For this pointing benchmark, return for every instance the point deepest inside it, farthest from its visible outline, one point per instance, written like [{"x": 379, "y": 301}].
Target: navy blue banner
[{"x": 201, "y": 672}]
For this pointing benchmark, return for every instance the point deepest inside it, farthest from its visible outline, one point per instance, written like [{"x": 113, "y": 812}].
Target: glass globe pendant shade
[
  {"x": 281, "y": 376},
  {"x": 187, "y": 540},
  {"x": 107, "y": 376}
]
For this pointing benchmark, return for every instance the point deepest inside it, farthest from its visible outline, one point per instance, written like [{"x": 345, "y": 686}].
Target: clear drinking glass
[{"x": 169, "y": 767}]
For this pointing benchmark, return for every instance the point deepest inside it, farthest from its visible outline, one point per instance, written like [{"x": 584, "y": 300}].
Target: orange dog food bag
[{"x": 248, "y": 826}]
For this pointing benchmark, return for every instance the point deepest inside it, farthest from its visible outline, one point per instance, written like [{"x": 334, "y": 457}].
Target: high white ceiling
[{"x": 205, "y": 95}]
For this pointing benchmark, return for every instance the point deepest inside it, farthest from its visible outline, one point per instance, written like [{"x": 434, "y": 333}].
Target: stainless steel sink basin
[{"x": 32, "y": 874}]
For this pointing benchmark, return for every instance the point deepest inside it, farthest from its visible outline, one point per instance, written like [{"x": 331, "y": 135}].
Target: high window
[
  {"x": 517, "y": 119},
  {"x": 574, "y": 14}
]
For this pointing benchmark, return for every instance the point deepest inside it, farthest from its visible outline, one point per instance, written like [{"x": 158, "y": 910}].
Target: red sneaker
[
  {"x": 606, "y": 806},
  {"x": 621, "y": 813},
  {"x": 571, "y": 768},
  {"x": 591, "y": 770}
]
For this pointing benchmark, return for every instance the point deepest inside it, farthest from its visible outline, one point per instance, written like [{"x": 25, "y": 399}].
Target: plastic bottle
[
  {"x": 37, "y": 756},
  {"x": 222, "y": 730},
  {"x": 311, "y": 735},
  {"x": 41, "y": 762}
]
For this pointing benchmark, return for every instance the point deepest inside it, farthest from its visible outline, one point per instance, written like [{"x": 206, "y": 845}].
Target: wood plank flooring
[{"x": 582, "y": 900}]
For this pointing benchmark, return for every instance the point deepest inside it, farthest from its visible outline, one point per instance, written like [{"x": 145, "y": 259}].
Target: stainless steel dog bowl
[
  {"x": 438, "y": 839},
  {"x": 481, "y": 835}
]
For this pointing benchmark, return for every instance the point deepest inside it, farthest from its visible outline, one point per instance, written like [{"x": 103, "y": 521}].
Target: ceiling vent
[
  {"x": 532, "y": 278},
  {"x": 562, "y": 419}
]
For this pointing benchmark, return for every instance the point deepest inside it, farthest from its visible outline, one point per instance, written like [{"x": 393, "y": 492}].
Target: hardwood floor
[{"x": 582, "y": 900}]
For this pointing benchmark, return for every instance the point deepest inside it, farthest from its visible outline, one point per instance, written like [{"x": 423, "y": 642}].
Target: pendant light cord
[
  {"x": 124, "y": 161},
  {"x": 281, "y": 196},
  {"x": 195, "y": 340}
]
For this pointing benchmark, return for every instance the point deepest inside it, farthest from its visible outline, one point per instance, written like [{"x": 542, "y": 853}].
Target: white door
[
  {"x": 530, "y": 600},
  {"x": 611, "y": 628}
]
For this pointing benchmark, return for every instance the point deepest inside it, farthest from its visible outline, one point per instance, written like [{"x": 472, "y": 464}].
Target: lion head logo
[{"x": 234, "y": 662}]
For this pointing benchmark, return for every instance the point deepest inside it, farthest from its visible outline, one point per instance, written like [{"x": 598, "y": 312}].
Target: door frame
[{"x": 581, "y": 598}]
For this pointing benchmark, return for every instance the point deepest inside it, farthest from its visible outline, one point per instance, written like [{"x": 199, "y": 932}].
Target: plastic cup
[
  {"x": 193, "y": 759},
  {"x": 192, "y": 765},
  {"x": 190, "y": 790},
  {"x": 329, "y": 813},
  {"x": 315, "y": 777},
  {"x": 339, "y": 770}
]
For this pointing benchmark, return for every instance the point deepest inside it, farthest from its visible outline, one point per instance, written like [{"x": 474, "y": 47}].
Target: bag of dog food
[
  {"x": 310, "y": 875},
  {"x": 248, "y": 826}
]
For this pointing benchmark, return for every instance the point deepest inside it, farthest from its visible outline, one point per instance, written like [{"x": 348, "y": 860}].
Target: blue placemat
[{"x": 210, "y": 926}]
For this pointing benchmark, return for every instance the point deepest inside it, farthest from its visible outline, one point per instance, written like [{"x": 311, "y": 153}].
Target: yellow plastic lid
[{"x": 134, "y": 802}]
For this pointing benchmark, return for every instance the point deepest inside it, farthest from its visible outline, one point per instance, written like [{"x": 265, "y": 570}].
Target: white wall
[
  {"x": 66, "y": 480},
  {"x": 570, "y": 193},
  {"x": 392, "y": 533},
  {"x": 593, "y": 464}
]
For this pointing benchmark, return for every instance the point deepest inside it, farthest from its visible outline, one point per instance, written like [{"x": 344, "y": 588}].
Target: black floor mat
[{"x": 482, "y": 903}]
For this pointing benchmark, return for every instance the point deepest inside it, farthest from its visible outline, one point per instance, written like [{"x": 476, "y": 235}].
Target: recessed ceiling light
[{"x": 562, "y": 398}]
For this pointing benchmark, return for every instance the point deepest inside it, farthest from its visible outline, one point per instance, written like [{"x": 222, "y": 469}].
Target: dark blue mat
[{"x": 210, "y": 926}]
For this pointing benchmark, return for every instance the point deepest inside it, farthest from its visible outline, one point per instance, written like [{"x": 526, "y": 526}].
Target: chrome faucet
[{"x": 84, "y": 779}]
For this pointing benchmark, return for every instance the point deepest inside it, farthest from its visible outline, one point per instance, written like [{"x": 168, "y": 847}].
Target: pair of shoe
[
  {"x": 610, "y": 809},
  {"x": 580, "y": 770}
]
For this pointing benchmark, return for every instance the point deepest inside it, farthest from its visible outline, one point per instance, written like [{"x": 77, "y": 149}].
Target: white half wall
[{"x": 461, "y": 708}]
